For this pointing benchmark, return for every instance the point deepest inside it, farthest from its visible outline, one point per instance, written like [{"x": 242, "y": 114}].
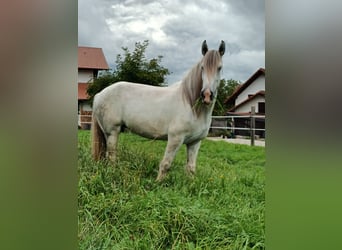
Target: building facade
[
  {"x": 90, "y": 61},
  {"x": 250, "y": 94}
]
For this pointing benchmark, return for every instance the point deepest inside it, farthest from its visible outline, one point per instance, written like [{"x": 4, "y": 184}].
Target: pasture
[{"x": 123, "y": 207}]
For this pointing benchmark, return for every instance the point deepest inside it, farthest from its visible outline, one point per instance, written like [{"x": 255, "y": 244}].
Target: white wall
[
  {"x": 85, "y": 106},
  {"x": 85, "y": 75},
  {"x": 247, "y": 106},
  {"x": 256, "y": 86}
]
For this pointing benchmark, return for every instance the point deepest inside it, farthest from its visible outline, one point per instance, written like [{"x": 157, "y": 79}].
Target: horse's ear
[
  {"x": 204, "y": 47},
  {"x": 222, "y": 48}
]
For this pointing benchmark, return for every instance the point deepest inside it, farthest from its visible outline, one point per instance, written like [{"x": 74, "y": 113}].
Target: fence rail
[
  {"x": 214, "y": 127},
  {"x": 239, "y": 128},
  {"x": 239, "y": 116},
  {"x": 85, "y": 119},
  {"x": 232, "y": 118}
]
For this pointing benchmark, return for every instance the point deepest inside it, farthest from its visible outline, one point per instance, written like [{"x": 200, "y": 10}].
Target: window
[{"x": 261, "y": 107}]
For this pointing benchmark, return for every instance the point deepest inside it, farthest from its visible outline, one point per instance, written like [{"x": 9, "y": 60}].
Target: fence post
[{"x": 252, "y": 125}]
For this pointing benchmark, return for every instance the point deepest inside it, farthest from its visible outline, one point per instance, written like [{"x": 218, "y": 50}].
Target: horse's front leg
[
  {"x": 192, "y": 151},
  {"x": 112, "y": 142},
  {"x": 173, "y": 144}
]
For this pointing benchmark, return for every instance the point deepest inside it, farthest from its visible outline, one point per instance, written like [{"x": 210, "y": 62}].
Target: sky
[{"x": 176, "y": 29}]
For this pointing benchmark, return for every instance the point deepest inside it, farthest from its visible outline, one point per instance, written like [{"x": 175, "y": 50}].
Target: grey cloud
[{"x": 183, "y": 27}]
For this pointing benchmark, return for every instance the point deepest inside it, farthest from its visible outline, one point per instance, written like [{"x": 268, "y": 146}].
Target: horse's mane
[{"x": 192, "y": 83}]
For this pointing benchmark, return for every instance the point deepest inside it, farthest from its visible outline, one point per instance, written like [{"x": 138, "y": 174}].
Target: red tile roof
[
  {"x": 91, "y": 58},
  {"x": 242, "y": 87},
  {"x": 82, "y": 91}
]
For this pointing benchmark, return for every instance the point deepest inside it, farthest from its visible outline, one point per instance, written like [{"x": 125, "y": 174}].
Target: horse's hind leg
[
  {"x": 173, "y": 144},
  {"x": 192, "y": 151},
  {"x": 112, "y": 142}
]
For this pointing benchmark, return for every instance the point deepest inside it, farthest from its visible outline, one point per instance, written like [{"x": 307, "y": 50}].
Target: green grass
[{"x": 123, "y": 207}]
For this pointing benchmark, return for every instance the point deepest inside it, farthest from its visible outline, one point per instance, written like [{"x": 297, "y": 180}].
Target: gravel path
[{"x": 239, "y": 141}]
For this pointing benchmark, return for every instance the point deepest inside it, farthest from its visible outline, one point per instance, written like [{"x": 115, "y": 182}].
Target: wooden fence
[
  {"x": 231, "y": 125},
  {"x": 223, "y": 125},
  {"x": 84, "y": 119}
]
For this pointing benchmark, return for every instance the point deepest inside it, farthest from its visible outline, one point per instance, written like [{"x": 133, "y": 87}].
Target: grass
[{"x": 123, "y": 207}]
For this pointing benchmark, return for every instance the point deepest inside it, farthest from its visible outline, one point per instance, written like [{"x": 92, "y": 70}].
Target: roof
[
  {"x": 231, "y": 99},
  {"x": 260, "y": 93},
  {"x": 91, "y": 58},
  {"x": 82, "y": 91}
]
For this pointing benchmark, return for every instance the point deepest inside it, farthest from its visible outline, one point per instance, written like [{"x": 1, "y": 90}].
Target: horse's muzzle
[{"x": 207, "y": 96}]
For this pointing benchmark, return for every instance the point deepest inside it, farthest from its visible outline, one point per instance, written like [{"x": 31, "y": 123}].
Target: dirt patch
[{"x": 238, "y": 141}]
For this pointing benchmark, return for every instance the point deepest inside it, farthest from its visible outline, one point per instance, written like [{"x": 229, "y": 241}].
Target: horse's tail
[{"x": 98, "y": 140}]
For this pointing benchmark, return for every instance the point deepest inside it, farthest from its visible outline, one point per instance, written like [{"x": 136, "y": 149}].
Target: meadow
[{"x": 121, "y": 206}]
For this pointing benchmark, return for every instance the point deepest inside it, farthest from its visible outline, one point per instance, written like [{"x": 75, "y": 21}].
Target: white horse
[{"x": 180, "y": 113}]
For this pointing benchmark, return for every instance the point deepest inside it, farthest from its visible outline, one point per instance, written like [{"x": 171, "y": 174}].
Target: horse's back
[
  {"x": 128, "y": 90},
  {"x": 147, "y": 110}
]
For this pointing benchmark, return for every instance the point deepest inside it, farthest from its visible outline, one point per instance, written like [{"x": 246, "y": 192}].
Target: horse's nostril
[
  {"x": 211, "y": 95},
  {"x": 202, "y": 94},
  {"x": 207, "y": 96}
]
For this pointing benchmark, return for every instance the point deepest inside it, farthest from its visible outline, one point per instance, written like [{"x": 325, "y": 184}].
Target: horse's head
[{"x": 211, "y": 66}]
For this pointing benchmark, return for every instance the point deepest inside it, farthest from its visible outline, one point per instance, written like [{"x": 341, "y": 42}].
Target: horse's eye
[{"x": 219, "y": 68}]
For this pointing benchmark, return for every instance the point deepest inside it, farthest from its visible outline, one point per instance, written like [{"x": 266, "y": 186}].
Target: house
[
  {"x": 90, "y": 62},
  {"x": 251, "y": 93}
]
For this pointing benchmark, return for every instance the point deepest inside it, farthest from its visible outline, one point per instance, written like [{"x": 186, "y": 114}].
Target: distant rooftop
[
  {"x": 91, "y": 58},
  {"x": 242, "y": 87}
]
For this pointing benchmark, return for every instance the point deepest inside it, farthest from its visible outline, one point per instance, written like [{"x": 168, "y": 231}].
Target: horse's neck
[
  {"x": 207, "y": 111},
  {"x": 204, "y": 113}
]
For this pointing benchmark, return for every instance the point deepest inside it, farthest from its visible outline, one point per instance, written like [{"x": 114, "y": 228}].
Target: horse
[{"x": 179, "y": 113}]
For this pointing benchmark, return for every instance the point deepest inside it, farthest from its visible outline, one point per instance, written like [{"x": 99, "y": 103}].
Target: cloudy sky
[{"x": 175, "y": 30}]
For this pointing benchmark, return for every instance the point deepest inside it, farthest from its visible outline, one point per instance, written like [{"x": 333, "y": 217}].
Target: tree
[
  {"x": 225, "y": 89},
  {"x": 100, "y": 83},
  {"x": 136, "y": 68},
  {"x": 132, "y": 67}
]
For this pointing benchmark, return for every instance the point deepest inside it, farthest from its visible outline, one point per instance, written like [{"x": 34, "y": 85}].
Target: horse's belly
[
  {"x": 148, "y": 131},
  {"x": 149, "y": 135}
]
